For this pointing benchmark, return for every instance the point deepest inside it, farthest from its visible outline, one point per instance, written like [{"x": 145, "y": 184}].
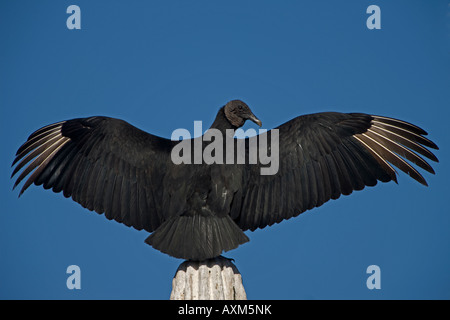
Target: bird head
[{"x": 237, "y": 112}]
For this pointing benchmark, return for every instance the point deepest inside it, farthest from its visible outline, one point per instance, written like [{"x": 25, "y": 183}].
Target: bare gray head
[{"x": 237, "y": 112}]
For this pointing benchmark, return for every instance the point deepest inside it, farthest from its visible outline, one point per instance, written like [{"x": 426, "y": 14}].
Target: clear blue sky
[{"x": 160, "y": 65}]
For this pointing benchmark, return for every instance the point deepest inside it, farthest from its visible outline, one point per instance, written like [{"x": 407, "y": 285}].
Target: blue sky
[{"x": 160, "y": 65}]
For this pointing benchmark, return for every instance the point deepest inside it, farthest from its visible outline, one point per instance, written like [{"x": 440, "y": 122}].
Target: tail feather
[{"x": 197, "y": 237}]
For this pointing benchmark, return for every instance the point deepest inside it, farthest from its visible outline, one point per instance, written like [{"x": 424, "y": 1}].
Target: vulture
[{"x": 196, "y": 210}]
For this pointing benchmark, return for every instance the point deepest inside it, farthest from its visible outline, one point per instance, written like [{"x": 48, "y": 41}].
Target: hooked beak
[{"x": 255, "y": 119}]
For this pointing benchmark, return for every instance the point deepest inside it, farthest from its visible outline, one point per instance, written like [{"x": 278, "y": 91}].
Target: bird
[{"x": 197, "y": 211}]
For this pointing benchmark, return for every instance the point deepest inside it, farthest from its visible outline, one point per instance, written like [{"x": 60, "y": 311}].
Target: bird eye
[{"x": 240, "y": 108}]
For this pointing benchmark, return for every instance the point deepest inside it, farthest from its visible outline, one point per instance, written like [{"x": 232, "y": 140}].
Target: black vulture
[{"x": 198, "y": 210}]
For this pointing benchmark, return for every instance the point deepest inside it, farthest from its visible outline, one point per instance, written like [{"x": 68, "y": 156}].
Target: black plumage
[{"x": 197, "y": 211}]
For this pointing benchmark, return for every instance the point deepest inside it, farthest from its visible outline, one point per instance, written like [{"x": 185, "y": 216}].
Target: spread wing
[
  {"x": 105, "y": 164},
  {"x": 324, "y": 155}
]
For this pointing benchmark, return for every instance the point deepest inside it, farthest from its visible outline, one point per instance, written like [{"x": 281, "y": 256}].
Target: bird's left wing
[
  {"x": 105, "y": 164},
  {"x": 322, "y": 156}
]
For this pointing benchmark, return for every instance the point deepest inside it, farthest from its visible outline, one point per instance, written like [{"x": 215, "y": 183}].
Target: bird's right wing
[{"x": 105, "y": 164}]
